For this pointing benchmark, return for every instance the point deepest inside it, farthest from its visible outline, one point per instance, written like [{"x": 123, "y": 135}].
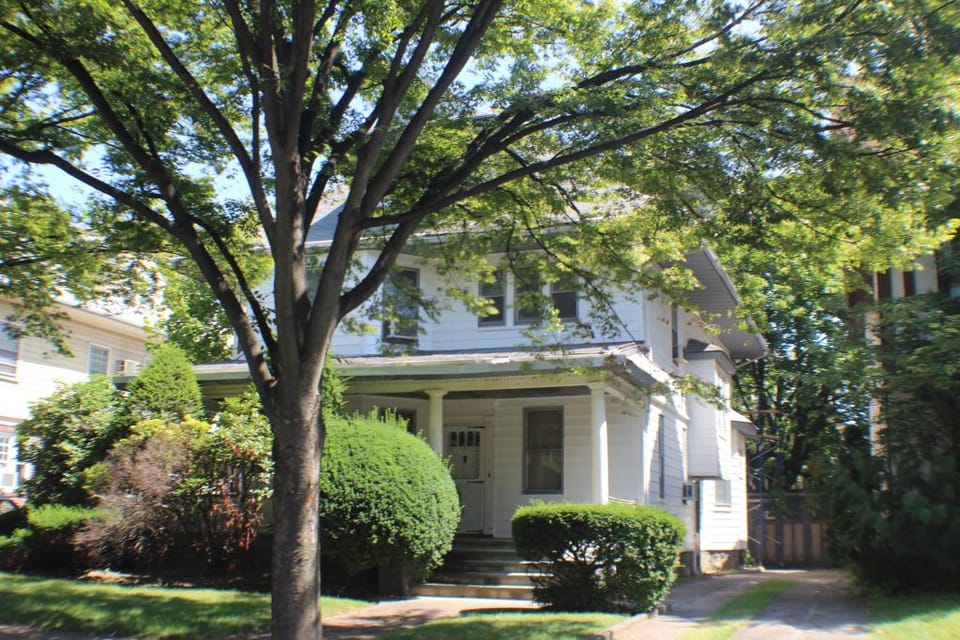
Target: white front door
[{"x": 464, "y": 449}]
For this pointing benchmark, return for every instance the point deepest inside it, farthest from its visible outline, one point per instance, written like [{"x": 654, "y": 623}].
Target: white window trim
[
  {"x": 552, "y": 492},
  {"x": 93, "y": 346},
  {"x": 12, "y": 377}
]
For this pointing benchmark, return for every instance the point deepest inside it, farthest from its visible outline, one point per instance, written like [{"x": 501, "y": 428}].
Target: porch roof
[{"x": 469, "y": 370}]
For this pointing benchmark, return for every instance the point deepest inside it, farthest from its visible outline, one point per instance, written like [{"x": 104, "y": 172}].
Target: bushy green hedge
[
  {"x": 594, "y": 557},
  {"x": 388, "y": 498},
  {"x": 46, "y": 542}
]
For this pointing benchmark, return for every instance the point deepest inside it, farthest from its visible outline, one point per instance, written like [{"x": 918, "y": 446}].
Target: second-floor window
[
  {"x": 9, "y": 353},
  {"x": 401, "y": 306},
  {"x": 527, "y": 296},
  {"x": 99, "y": 360},
  {"x": 495, "y": 293},
  {"x": 563, "y": 295}
]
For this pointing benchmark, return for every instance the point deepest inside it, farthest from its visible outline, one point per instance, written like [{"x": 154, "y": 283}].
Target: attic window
[{"x": 400, "y": 306}]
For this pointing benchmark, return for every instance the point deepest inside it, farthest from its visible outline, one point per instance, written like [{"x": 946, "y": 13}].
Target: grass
[
  {"x": 144, "y": 612},
  {"x": 927, "y": 616},
  {"x": 534, "y": 625},
  {"x": 735, "y": 614}
]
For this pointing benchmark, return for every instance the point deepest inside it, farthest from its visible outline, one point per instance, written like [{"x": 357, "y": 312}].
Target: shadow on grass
[
  {"x": 517, "y": 626},
  {"x": 131, "y": 611},
  {"x": 923, "y": 615}
]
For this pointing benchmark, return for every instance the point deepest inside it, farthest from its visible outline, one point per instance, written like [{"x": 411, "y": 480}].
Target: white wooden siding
[
  {"x": 724, "y": 528},
  {"x": 40, "y": 368}
]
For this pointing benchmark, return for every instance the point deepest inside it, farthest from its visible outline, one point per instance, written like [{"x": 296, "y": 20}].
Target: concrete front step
[
  {"x": 518, "y": 578},
  {"x": 449, "y": 590}
]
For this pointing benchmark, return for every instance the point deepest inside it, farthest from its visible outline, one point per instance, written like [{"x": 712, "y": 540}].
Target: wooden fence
[{"x": 793, "y": 534}]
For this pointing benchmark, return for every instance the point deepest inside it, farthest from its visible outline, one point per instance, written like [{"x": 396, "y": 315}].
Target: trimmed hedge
[
  {"x": 594, "y": 557},
  {"x": 46, "y": 542},
  {"x": 388, "y": 498}
]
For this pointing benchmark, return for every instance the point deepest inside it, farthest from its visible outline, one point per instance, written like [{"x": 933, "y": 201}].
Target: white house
[
  {"x": 593, "y": 423},
  {"x": 31, "y": 369}
]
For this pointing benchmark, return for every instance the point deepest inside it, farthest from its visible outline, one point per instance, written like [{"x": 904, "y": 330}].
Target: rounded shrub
[
  {"x": 387, "y": 498},
  {"x": 593, "y": 557}
]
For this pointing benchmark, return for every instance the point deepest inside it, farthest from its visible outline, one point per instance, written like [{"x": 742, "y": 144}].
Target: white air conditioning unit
[{"x": 127, "y": 367}]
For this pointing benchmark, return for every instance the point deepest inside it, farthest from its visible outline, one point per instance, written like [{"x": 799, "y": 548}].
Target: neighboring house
[
  {"x": 31, "y": 368},
  {"x": 589, "y": 424}
]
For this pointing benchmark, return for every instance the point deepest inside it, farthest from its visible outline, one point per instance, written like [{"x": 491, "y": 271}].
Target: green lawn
[
  {"x": 735, "y": 614},
  {"x": 534, "y": 625},
  {"x": 905, "y": 617},
  {"x": 147, "y": 612}
]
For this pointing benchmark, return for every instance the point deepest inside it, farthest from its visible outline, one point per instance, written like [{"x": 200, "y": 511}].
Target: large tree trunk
[{"x": 298, "y": 441}]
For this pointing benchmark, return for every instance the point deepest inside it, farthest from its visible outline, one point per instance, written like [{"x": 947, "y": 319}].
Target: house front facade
[
  {"x": 593, "y": 421},
  {"x": 100, "y": 342}
]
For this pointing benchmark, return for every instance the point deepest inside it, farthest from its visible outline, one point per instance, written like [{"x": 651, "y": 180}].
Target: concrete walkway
[{"x": 819, "y": 607}]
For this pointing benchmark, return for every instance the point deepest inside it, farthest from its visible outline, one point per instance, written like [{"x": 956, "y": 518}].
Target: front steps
[{"x": 481, "y": 567}]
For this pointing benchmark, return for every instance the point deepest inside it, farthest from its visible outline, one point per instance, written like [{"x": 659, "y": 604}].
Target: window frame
[
  {"x": 558, "y": 450},
  {"x": 106, "y": 360},
  {"x": 410, "y": 335},
  {"x": 727, "y": 500},
  {"x": 524, "y": 315},
  {"x": 500, "y": 281},
  {"x": 566, "y": 286},
  {"x": 11, "y": 362}
]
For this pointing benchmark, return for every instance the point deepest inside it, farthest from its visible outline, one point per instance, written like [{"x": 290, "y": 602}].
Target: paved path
[{"x": 819, "y": 607}]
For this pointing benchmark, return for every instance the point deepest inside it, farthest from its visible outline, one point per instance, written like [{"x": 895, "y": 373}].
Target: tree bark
[{"x": 298, "y": 440}]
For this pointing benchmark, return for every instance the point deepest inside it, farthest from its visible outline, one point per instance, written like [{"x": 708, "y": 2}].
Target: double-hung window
[
  {"x": 563, "y": 294},
  {"x": 401, "y": 306},
  {"x": 9, "y": 354},
  {"x": 543, "y": 451},
  {"x": 495, "y": 294},
  {"x": 98, "y": 360},
  {"x": 527, "y": 296}
]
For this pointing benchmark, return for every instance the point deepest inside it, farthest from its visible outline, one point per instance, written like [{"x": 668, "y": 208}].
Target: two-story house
[
  {"x": 598, "y": 421},
  {"x": 31, "y": 368}
]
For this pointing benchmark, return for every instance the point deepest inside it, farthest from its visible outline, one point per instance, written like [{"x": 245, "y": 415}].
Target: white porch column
[
  {"x": 435, "y": 421},
  {"x": 600, "y": 458}
]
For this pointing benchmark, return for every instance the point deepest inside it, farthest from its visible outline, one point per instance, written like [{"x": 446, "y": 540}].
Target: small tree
[
  {"x": 68, "y": 432},
  {"x": 166, "y": 389},
  {"x": 388, "y": 498}
]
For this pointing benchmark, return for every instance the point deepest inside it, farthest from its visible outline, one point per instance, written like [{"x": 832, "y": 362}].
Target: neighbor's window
[
  {"x": 5, "y": 442},
  {"x": 563, "y": 294},
  {"x": 543, "y": 451},
  {"x": 9, "y": 352},
  {"x": 401, "y": 306},
  {"x": 99, "y": 360},
  {"x": 495, "y": 293}
]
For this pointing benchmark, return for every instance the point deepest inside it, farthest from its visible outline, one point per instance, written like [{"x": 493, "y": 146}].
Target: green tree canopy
[{"x": 698, "y": 118}]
